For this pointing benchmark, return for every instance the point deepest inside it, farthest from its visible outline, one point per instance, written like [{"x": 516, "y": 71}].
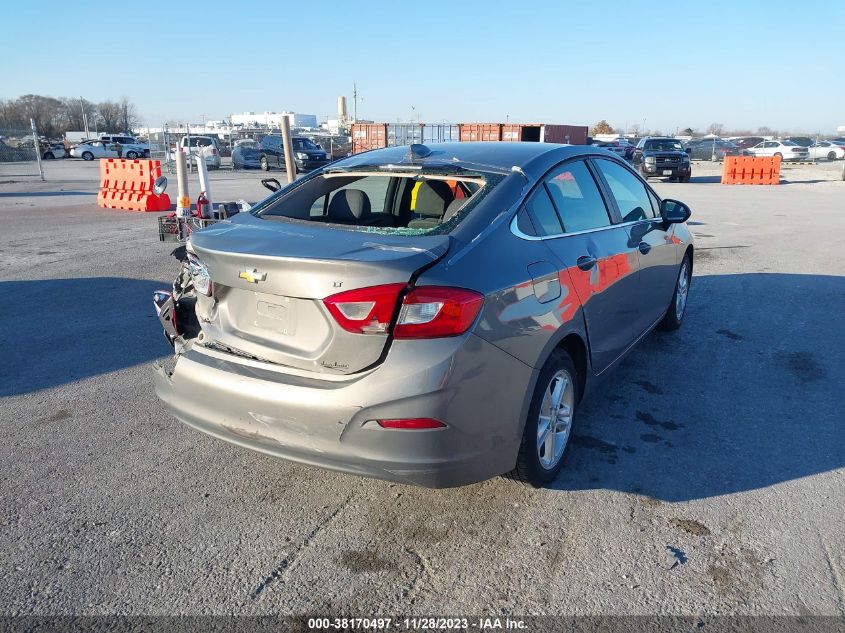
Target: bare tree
[
  {"x": 72, "y": 112},
  {"x": 128, "y": 115},
  {"x": 716, "y": 128},
  {"x": 110, "y": 114}
]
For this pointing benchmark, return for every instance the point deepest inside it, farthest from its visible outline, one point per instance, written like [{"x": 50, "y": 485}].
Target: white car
[
  {"x": 54, "y": 150},
  {"x": 826, "y": 149},
  {"x": 206, "y": 146},
  {"x": 89, "y": 150},
  {"x": 787, "y": 150},
  {"x": 131, "y": 146}
]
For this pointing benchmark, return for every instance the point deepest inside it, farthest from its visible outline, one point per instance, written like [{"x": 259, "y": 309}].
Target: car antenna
[{"x": 418, "y": 150}]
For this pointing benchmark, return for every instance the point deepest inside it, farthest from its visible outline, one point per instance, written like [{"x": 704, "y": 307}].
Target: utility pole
[
  {"x": 84, "y": 118},
  {"x": 354, "y": 102}
]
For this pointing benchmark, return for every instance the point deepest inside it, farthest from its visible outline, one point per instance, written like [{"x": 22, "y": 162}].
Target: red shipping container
[{"x": 367, "y": 136}]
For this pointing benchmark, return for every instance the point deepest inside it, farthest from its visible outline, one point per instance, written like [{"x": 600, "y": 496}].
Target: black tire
[
  {"x": 831, "y": 156},
  {"x": 779, "y": 155},
  {"x": 48, "y": 156},
  {"x": 265, "y": 164},
  {"x": 131, "y": 155},
  {"x": 529, "y": 469},
  {"x": 674, "y": 316},
  {"x": 684, "y": 178},
  {"x": 87, "y": 156}
]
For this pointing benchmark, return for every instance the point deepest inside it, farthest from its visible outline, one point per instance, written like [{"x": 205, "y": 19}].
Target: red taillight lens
[
  {"x": 411, "y": 423},
  {"x": 436, "y": 311},
  {"x": 366, "y": 310},
  {"x": 426, "y": 312}
]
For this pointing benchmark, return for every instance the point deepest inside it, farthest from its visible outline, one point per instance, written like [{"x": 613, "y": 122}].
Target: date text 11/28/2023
[{"x": 418, "y": 623}]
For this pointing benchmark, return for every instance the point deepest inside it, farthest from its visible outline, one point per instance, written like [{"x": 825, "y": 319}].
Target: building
[{"x": 273, "y": 119}]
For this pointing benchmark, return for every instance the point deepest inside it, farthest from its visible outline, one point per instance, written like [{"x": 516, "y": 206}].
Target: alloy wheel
[
  {"x": 682, "y": 291},
  {"x": 555, "y": 421}
]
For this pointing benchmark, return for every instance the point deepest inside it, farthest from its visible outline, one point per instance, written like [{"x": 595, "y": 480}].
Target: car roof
[{"x": 490, "y": 156}]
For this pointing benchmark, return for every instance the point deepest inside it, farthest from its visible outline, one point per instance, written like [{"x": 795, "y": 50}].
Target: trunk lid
[{"x": 270, "y": 278}]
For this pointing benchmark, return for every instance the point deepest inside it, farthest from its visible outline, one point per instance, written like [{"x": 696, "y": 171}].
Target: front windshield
[
  {"x": 304, "y": 143},
  {"x": 664, "y": 145}
]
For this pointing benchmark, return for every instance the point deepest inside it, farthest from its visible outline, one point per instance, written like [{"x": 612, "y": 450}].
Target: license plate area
[
  {"x": 278, "y": 315},
  {"x": 667, "y": 172}
]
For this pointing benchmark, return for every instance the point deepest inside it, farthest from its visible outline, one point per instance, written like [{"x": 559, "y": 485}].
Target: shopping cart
[{"x": 176, "y": 229}]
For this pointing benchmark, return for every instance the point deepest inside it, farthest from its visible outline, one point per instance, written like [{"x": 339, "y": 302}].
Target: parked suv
[
  {"x": 662, "y": 157},
  {"x": 307, "y": 154},
  {"x": 131, "y": 147},
  {"x": 364, "y": 318}
]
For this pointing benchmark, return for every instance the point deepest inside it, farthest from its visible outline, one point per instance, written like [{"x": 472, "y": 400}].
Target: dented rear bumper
[{"x": 475, "y": 388}]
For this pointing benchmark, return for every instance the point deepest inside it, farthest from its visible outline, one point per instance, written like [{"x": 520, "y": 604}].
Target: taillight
[
  {"x": 435, "y": 311},
  {"x": 366, "y": 310},
  {"x": 426, "y": 312},
  {"x": 200, "y": 275},
  {"x": 411, "y": 423}
]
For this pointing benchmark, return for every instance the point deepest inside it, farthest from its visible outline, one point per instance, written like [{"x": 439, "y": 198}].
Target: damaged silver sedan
[{"x": 429, "y": 315}]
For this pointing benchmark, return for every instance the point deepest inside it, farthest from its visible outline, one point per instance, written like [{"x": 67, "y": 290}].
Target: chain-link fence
[
  {"x": 164, "y": 140},
  {"x": 19, "y": 156}
]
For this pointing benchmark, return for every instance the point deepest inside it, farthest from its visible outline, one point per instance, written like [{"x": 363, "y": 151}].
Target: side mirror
[
  {"x": 272, "y": 184},
  {"x": 160, "y": 185},
  {"x": 674, "y": 212},
  {"x": 688, "y": 150}
]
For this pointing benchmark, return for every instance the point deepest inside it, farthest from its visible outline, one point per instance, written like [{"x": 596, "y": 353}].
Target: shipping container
[
  {"x": 480, "y": 132},
  {"x": 528, "y": 132},
  {"x": 571, "y": 134},
  {"x": 367, "y": 136}
]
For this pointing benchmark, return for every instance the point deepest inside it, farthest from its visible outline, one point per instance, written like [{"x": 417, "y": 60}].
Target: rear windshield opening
[{"x": 396, "y": 203}]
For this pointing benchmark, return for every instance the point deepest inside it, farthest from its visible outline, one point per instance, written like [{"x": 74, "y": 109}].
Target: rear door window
[
  {"x": 628, "y": 191},
  {"x": 577, "y": 198}
]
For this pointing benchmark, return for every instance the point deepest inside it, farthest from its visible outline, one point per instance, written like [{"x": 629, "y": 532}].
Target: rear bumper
[{"x": 478, "y": 390}]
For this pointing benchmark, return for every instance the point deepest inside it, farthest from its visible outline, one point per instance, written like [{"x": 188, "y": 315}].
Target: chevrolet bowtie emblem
[{"x": 252, "y": 276}]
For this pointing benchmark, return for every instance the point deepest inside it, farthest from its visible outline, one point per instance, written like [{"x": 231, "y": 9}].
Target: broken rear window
[{"x": 396, "y": 202}]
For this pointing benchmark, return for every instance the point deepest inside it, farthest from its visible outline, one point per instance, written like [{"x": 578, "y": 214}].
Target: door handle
[
  {"x": 586, "y": 262},
  {"x": 644, "y": 247}
]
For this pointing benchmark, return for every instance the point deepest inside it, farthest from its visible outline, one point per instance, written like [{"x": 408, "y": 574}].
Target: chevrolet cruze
[{"x": 426, "y": 314}]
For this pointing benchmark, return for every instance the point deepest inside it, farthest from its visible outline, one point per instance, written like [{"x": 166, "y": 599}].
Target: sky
[{"x": 663, "y": 66}]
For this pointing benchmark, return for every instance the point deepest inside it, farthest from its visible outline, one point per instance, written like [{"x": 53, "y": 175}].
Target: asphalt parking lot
[{"x": 706, "y": 476}]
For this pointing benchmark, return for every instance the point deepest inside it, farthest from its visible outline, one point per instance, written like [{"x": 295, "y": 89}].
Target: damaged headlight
[{"x": 200, "y": 275}]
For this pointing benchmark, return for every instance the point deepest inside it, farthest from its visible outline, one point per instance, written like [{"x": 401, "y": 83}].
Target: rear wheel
[
  {"x": 549, "y": 423},
  {"x": 675, "y": 314},
  {"x": 265, "y": 164},
  {"x": 131, "y": 155},
  {"x": 87, "y": 156},
  {"x": 49, "y": 155},
  {"x": 831, "y": 156}
]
